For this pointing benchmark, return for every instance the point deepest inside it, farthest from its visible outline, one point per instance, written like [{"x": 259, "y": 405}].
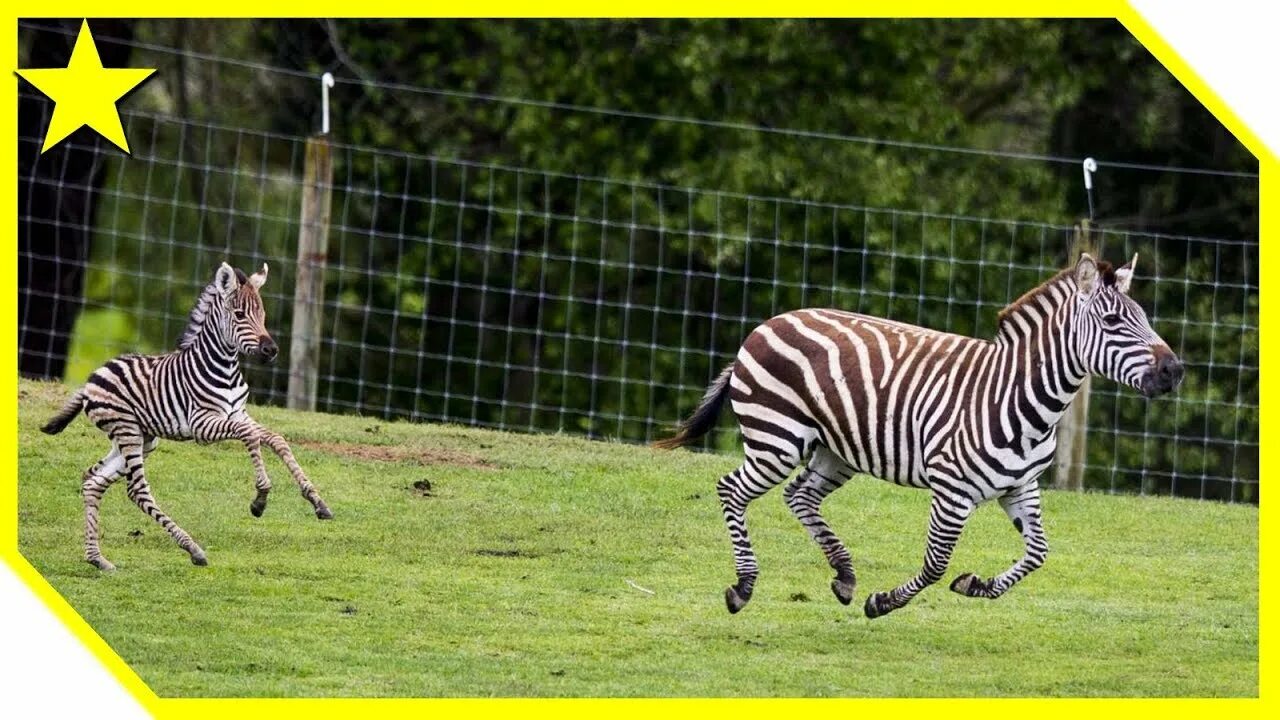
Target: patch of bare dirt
[
  {"x": 395, "y": 453},
  {"x": 505, "y": 553}
]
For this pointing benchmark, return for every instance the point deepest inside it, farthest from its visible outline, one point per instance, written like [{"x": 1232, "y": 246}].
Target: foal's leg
[
  {"x": 762, "y": 469},
  {"x": 93, "y": 486},
  {"x": 1023, "y": 508},
  {"x": 281, "y": 448},
  {"x": 804, "y": 495},
  {"x": 131, "y": 447},
  {"x": 243, "y": 428},
  {"x": 261, "y": 481},
  {"x": 947, "y": 517}
]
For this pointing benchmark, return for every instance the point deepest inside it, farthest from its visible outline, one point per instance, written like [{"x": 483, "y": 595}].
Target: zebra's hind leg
[
  {"x": 824, "y": 474},
  {"x": 93, "y": 486},
  {"x": 1023, "y": 508},
  {"x": 140, "y": 493},
  {"x": 947, "y": 518},
  {"x": 760, "y": 472}
]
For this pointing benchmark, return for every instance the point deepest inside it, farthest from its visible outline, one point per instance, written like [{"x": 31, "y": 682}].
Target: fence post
[
  {"x": 308, "y": 289},
  {"x": 1073, "y": 429}
]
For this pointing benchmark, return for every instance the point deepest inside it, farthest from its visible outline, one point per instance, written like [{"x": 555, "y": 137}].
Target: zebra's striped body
[
  {"x": 196, "y": 393},
  {"x": 968, "y": 419},
  {"x": 895, "y": 401}
]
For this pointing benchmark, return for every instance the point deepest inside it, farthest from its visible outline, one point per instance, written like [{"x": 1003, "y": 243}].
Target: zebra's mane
[
  {"x": 195, "y": 320},
  {"x": 1105, "y": 271}
]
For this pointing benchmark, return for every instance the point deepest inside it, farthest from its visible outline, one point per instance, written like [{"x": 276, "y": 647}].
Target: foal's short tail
[
  {"x": 65, "y": 415},
  {"x": 704, "y": 417}
]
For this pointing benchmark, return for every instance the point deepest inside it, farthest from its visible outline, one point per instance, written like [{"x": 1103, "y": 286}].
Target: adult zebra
[
  {"x": 193, "y": 393},
  {"x": 969, "y": 419}
]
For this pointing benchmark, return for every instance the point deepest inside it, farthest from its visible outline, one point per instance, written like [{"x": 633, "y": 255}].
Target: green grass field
[{"x": 509, "y": 576}]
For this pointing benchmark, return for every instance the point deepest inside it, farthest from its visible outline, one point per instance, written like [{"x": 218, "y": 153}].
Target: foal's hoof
[
  {"x": 877, "y": 605},
  {"x": 324, "y": 513},
  {"x": 843, "y": 590},
  {"x": 734, "y": 600},
  {"x": 970, "y": 585},
  {"x": 102, "y": 564},
  {"x": 198, "y": 558},
  {"x": 256, "y": 509}
]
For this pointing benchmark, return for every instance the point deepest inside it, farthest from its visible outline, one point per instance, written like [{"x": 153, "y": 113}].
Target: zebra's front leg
[
  {"x": 1023, "y": 508},
  {"x": 947, "y": 518},
  {"x": 243, "y": 428},
  {"x": 281, "y": 449},
  {"x": 140, "y": 493},
  {"x": 804, "y": 495},
  {"x": 263, "y": 483}
]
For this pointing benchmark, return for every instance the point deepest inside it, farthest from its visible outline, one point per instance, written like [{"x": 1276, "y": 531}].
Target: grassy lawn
[{"x": 509, "y": 576}]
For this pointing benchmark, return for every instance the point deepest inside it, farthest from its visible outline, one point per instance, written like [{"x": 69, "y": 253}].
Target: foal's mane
[
  {"x": 204, "y": 303},
  {"x": 1105, "y": 271}
]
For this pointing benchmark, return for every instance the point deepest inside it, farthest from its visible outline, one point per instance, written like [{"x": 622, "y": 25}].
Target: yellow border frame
[{"x": 321, "y": 708}]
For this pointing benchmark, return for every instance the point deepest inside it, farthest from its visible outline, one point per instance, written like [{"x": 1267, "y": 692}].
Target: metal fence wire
[{"x": 521, "y": 299}]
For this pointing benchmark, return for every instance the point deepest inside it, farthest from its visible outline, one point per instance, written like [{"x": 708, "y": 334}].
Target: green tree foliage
[{"x": 570, "y": 253}]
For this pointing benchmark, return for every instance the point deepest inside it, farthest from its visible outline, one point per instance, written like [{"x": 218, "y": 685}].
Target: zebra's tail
[
  {"x": 704, "y": 417},
  {"x": 64, "y": 417}
]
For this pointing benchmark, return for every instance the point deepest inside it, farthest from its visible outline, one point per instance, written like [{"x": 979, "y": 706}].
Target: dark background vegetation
[{"x": 482, "y": 271}]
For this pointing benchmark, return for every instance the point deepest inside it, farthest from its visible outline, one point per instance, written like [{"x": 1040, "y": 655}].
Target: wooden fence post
[
  {"x": 308, "y": 290},
  {"x": 1073, "y": 429}
]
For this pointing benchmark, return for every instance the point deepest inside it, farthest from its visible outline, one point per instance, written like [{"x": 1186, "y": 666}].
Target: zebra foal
[
  {"x": 193, "y": 393},
  {"x": 970, "y": 420}
]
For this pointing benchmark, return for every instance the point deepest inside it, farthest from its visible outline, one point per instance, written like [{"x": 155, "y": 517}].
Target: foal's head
[{"x": 240, "y": 317}]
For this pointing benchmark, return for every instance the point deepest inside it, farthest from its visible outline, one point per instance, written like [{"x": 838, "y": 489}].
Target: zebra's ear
[
  {"x": 1086, "y": 274},
  {"x": 226, "y": 281},
  {"x": 1124, "y": 274},
  {"x": 259, "y": 278}
]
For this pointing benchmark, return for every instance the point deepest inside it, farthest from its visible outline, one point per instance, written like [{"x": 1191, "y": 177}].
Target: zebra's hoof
[
  {"x": 733, "y": 600},
  {"x": 324, "y": 513},
  {"x": 843, "y": 590},
  {"x": 962, "y": 582},
  {"x": 102, "y": 564},
  {"x": 256, "y": 509},
  {"x": 877, "y": 605},
  {"x": 970, "y": 585},
  {"x": 198, "y": 558}
]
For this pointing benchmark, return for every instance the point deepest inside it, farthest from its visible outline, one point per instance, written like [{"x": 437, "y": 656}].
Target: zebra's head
[
  {"x": 243, "y": 319},
  {"x": 1115, "y": 338}
]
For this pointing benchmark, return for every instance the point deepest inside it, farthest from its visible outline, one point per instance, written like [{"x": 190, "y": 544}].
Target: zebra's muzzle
[
  {"x": 267, "y": 349},
  {"x": 1165, "y": 375}
]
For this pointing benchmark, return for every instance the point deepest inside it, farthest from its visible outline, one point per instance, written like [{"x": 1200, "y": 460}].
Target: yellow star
[{"x": 85, "y": 93}]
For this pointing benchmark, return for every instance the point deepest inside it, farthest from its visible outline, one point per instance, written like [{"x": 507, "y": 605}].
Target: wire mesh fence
[{"x": 525, "y": 299}]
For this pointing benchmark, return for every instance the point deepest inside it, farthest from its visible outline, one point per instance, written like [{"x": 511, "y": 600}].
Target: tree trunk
[{"x": 57, "y": 196}]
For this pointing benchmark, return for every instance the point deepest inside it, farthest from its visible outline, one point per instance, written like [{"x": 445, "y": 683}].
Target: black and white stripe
[
  {"x": 194, "y": 393},
  {"x": 970, "y": 420}
]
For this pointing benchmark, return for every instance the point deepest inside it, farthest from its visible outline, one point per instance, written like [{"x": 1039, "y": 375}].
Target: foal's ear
[
  {"x": 258, "y": 278},
  {"x": 1124, "y": 274},
  {"x": 1086, "y": 274},
  {"x": 226, "y": 281}
]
